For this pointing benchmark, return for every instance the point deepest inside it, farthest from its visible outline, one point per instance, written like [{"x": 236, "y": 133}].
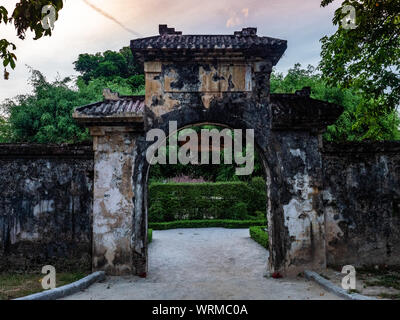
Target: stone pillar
[
  {"x": 297, "y": 222},
  {"x": 113, "y": 199}
]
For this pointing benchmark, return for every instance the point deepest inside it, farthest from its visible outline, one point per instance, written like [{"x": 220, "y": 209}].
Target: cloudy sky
[{"x": 81, "y": 29}]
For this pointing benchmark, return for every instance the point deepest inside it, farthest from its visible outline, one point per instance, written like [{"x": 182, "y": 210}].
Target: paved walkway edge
[
  {"x": 68, "y": 289},
  {"x": 329, "y": 286}
]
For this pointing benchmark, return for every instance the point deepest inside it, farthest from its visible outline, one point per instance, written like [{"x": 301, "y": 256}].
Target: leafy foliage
[
  {"x": 367, "y": 59},
  {"x": 8, "y": 57},
  {"x": 346, "y": 128},
  {"x": 46, "y": 115},
  {"x": 227, "y": 200},
  {"x": 111, "y": 65},
  {"x": 259, "y": 235},
  {"x": 117, "y": 84},
  {"x": 27, "y": 15},
  {"x": 217, "y": 223},
  {"x": 5, "y": 131}
]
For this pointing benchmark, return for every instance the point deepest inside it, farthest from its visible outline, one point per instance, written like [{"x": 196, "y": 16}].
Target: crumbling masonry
[
  {"x": 209, "y": 79},
  {"x": 321, "y": 199}
]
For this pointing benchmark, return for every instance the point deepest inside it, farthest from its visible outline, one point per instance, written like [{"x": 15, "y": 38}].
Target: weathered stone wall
[
  {"x": 362, "y": 203},
  {"x": 297, "y": 223},
  {"x": 45, "y": 207},
  {"x": 169, "y": 84},
  {"x": 113, "y": 200},
  {"x": 238, "y": 96},
  {"x": 217, "y": 80}
]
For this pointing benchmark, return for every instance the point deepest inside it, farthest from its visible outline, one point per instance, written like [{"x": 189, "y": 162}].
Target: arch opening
[{"x": 261, "y": 172}]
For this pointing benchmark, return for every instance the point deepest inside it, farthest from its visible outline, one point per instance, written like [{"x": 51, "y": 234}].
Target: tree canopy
[
  {"x": 45, "y": 116},
  {"x": 109, "y": 64},
  {"x": 115, "y": 70},
  {"x": 366, "y": 59},
  {"x": 345, "y": 128}
]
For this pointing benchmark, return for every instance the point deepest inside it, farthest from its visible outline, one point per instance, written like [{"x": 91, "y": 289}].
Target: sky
[{"x": 82, "y": 29}]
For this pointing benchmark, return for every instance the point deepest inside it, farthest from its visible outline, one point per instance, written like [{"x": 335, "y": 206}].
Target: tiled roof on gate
[
  {"x": 300, "y": 111},
  {"x": 246, "y": 41},
  {"x": 113, "y": 109},
  {"x": 125, "y": 105}
]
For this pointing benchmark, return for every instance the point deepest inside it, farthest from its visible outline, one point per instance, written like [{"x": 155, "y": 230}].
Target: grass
[
  {"x": 395, "y": 296},
  {"x": 229, "y": 224},
  {"x": 387, "y": 277},
  {"x": 350, "y": 291},
  {"x": 386, "y": 280},
  {"x": 14, "y": 286},
  {"x": 149, "y": 235},
  {"x": 258, "y": 234}
]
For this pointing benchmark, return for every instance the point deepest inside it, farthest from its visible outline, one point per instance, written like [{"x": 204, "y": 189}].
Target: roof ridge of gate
[{"x": 245, "y": 41}]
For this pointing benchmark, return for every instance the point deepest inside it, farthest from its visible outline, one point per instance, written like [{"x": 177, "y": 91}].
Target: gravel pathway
[{"x": 205, "y": 264}]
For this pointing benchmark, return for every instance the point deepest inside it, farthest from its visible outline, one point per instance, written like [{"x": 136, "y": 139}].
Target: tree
[
  {"x": 26, "y": 15},
  {"x": 134, "y": 67},
  {"x": 367, "y": 59},
  {"x": 5, "y": 131},
  {"x": 127, "y": 87},
  {"x": 345, "y": 128},
  {"x": 111, "y": 70},
  {"x": 46, "y": 115},
  {"x": 109, "y": 64}
]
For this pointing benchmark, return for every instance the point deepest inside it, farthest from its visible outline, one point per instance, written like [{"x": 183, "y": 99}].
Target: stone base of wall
[
  {"x": 361, "y": 203},
  {"x": 46, "y": 207},
  {"x": 31, "y": 256}
]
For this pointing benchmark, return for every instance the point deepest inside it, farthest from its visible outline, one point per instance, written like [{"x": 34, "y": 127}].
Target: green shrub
[
  {"x": 156, "y": 212},
  {"x": 258, "y": 234},
  {"x": 198, "y": 201},
  {"x": 258, "y": 184},
  {"x": 260, "y": 215},
  {"x": 149, "y": 235},
  {"x": 257, "y": 195},
  {"x": 229, "y": 224},
  {"x": 239, "y": 211}
]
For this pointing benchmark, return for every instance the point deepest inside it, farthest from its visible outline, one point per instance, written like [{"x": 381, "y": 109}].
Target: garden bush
[
  {"x": 257, "y": 195},
  {"x": 149, "y": 235},
  {"x": 229, "y": 224},
  {"x": 199, "y": 201},
  {"x": 258, "y": 234}
]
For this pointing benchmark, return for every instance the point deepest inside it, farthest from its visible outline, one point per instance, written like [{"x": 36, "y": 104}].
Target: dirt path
[{"x": 209, "y": 264}]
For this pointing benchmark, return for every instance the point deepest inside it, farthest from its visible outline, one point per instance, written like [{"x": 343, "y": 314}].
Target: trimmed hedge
[
  {"x": 229, "y": 224},
  {"x": 198, "y": 201},
  {"x": 149, "y": 235},
  {"x": 258, "y": 234}
]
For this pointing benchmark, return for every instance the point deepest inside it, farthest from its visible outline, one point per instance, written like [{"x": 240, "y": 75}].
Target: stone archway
[
  {"x": 214, "y": 79},
  {"x": 186, "y": 118}
]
